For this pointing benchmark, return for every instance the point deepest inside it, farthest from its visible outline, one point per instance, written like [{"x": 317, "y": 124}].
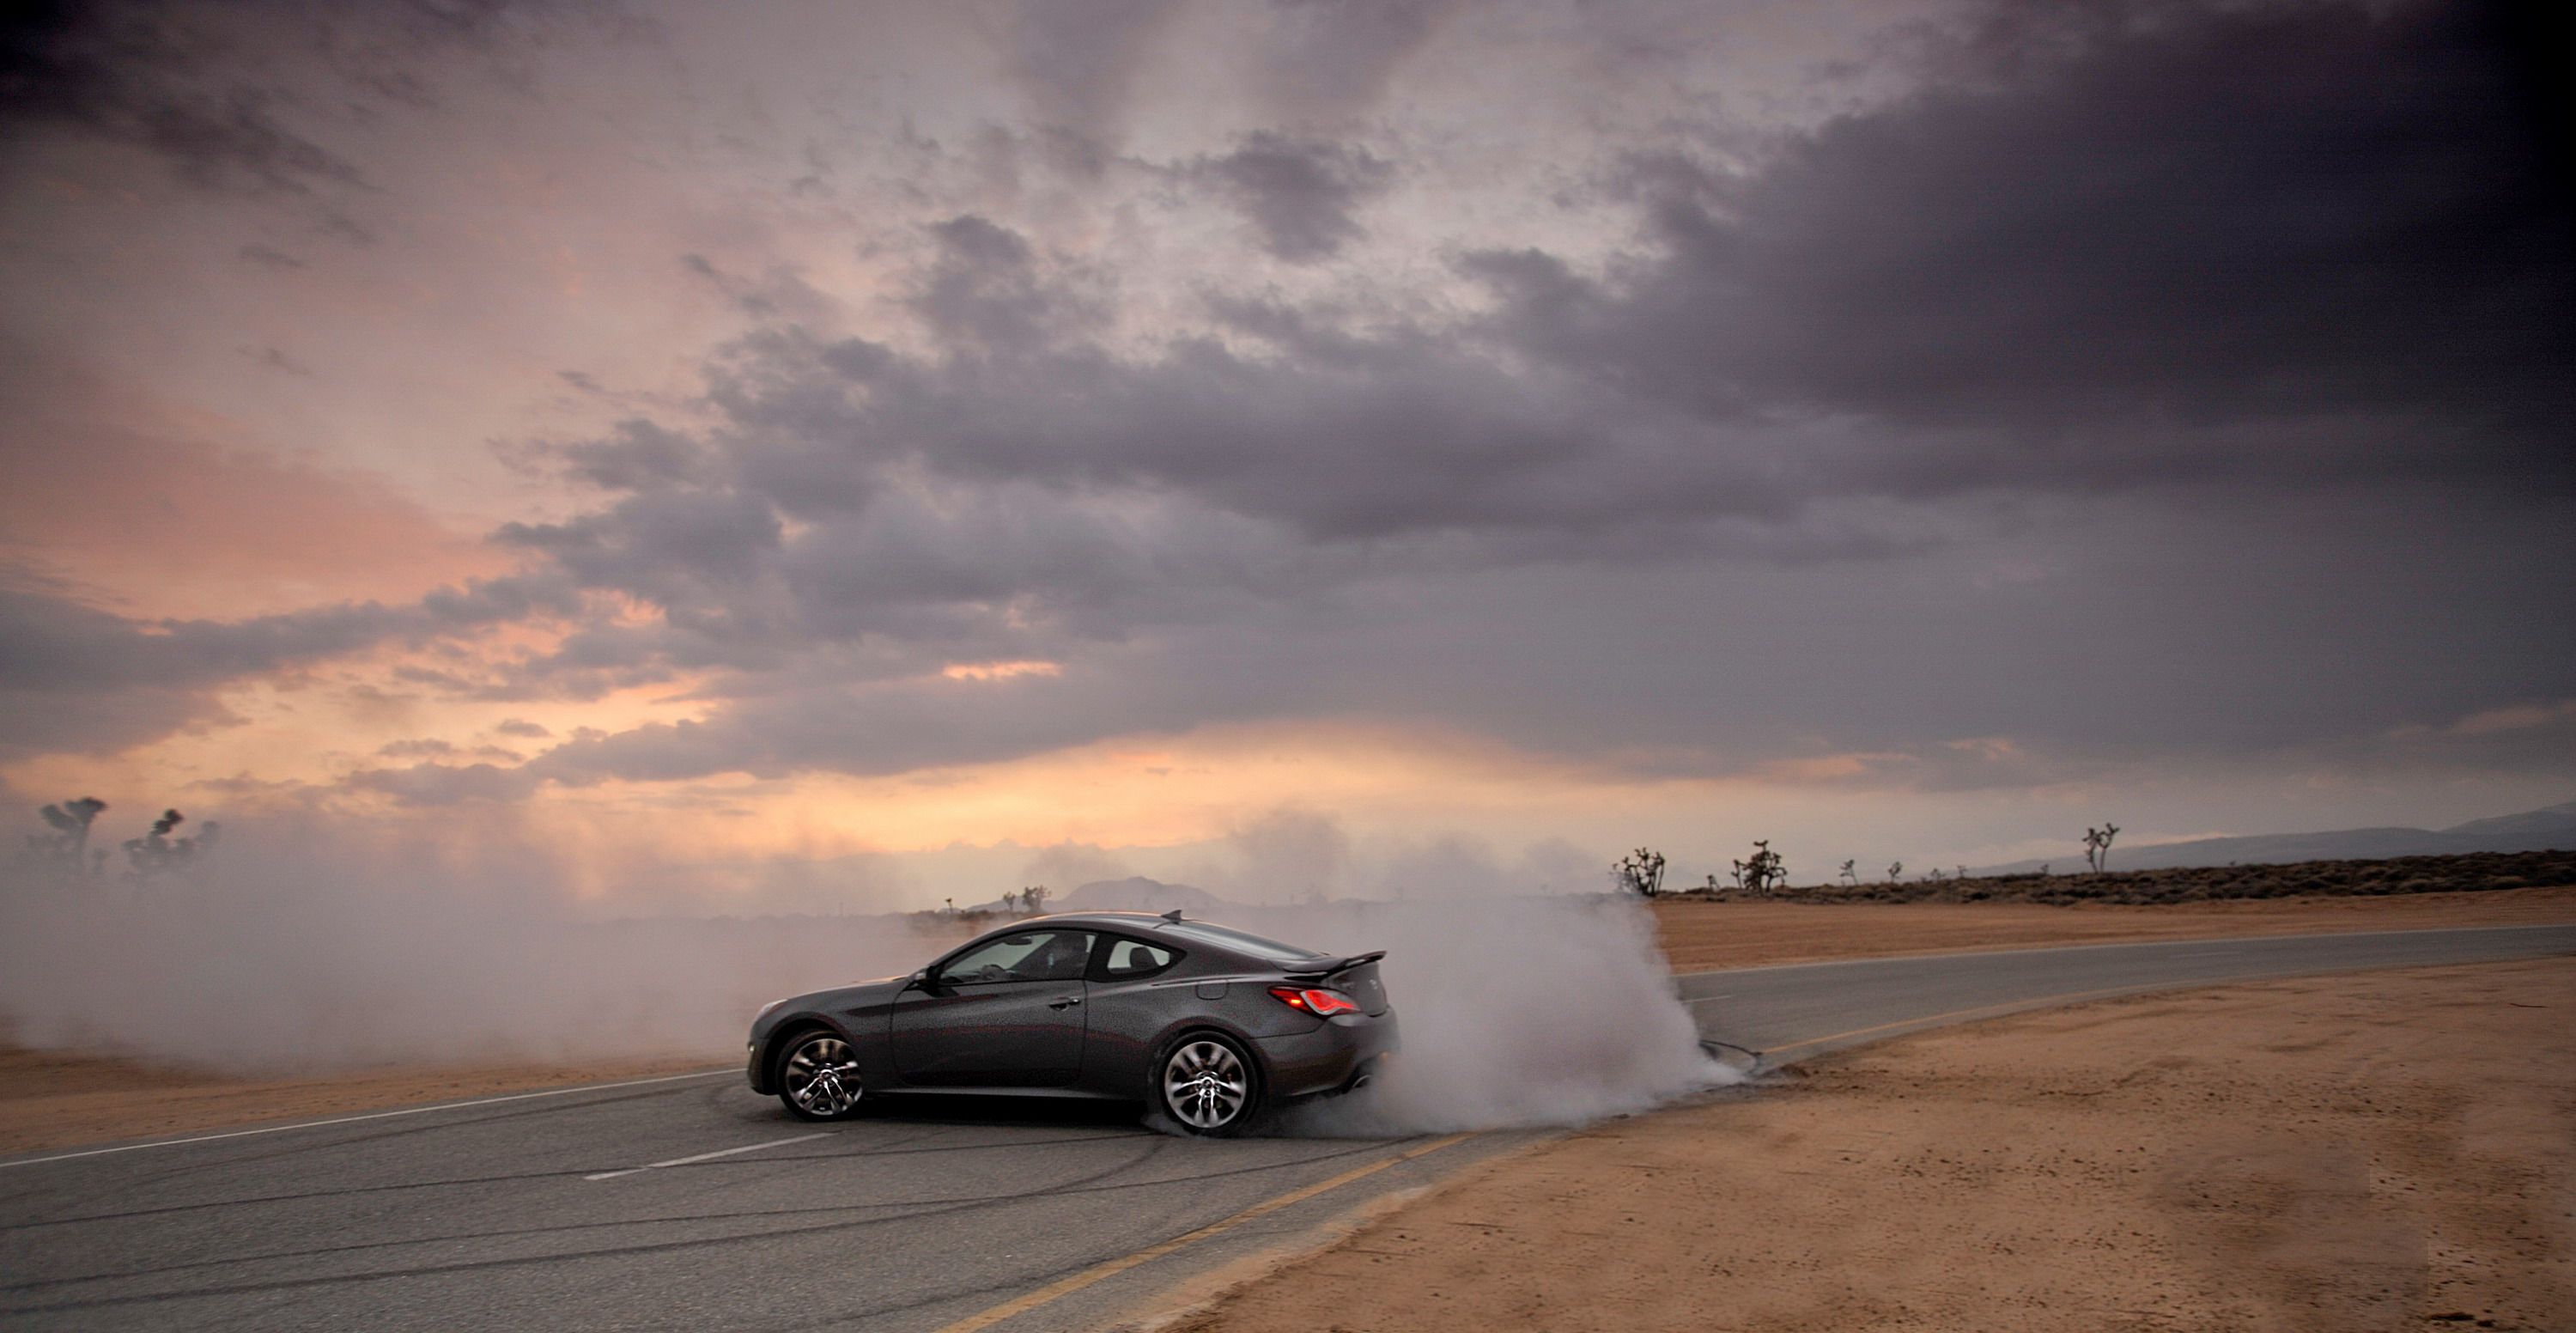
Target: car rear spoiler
[{"x": 1332, "y": 966}]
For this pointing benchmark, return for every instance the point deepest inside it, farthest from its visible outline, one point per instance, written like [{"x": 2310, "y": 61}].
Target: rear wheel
[
  {"x": 818, "y": 1077},
  {"x": 1208, "y": 1085}
]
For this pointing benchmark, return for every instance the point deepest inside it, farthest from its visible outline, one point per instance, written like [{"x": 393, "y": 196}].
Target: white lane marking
[
  {"x": 371, "y": 1115},
  {"x": 709, "y": 1156},
  {"x": 1703, "y": 999}
]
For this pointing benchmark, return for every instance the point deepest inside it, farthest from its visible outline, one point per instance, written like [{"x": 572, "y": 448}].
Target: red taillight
[{"x": 1320, "y": 1003}]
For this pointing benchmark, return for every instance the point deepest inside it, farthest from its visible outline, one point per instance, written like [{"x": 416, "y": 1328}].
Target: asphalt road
[
  {"x": 690, "y": 1203},
  {"x": 1800, "y": 1011}
]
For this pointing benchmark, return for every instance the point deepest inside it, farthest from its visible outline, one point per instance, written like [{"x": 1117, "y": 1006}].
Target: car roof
[
  {"x": 1146, "y": 922},
  {"x": 1122, "y": 920}
]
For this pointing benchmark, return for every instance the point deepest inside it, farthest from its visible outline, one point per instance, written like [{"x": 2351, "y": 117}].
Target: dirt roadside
[
  {"x": 51, "y": 1099},
  {"x": 2387, "y": 1150},
  {"x": 1699, "y": 936}
]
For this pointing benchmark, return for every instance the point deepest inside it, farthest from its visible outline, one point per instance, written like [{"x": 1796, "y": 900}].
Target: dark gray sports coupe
[{"x": 1207, "y": 1024}]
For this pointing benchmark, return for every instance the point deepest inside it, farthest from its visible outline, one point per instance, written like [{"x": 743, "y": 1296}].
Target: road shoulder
[
  {"x": 62, "y": 1099},
  {"x": 52, "y": 1099},
  {"x": 2380, "y": 1150}
]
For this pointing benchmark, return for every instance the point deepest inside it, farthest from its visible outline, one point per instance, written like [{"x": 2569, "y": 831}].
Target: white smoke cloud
[
  {"x": 307, "y": 951},
  {"x": 300, "y": 953},
  {"x": 1515, "y": 1011}
]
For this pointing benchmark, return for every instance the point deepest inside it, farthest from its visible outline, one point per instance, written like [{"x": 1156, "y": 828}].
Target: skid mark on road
[
  {"x": 708, "y": 1156},
  {"x": 893, "y": 1211},
  {"x": 502, "y": 1264},
  {"x": 1066, "y": 1286},
  {"x": 898, "y": 1148}
]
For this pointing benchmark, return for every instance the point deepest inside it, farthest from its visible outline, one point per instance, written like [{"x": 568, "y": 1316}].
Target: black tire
[
  {"x": 1208, "y": 1084},
  {"x": 817, "y": 1077}
]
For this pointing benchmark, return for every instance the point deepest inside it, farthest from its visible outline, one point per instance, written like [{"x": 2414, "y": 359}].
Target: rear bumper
[{"x": 1336, "y": 1056}]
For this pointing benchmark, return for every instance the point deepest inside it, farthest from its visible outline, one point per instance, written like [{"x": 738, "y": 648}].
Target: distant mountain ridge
[
  {"x": 2550, "y": 829},
  {"x": 1136, "y": 893}
]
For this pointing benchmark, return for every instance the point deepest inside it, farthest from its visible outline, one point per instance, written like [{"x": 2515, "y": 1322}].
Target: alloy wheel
[
  {"x": 822, "y": 1076},
  {"x": 1206, "y": 1085}
]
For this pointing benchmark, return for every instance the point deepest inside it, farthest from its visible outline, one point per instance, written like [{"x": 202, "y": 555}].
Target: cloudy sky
[{"x": 894, "y": 451}]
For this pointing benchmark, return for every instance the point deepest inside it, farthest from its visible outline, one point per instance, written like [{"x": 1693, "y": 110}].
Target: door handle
[{"x": 1064, "y": 1002}]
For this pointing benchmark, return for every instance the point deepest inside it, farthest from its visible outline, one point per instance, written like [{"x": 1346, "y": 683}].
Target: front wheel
[
  {"x": 818, "y": 1079},
  {"x": 1208, "y": 1085}
]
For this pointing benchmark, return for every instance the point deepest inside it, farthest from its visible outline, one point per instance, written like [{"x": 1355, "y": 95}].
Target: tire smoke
[
  {"x": 318, "y": 953},
  {"x": 1517, "y": 1011},
  {"x": 313, "y": 954}
]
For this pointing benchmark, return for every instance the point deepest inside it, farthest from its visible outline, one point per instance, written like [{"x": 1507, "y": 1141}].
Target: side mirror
[{"x": 920, "y": 981}]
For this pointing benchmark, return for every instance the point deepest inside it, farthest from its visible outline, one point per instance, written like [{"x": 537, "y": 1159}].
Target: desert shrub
[{"x": 2419, "y": 874}]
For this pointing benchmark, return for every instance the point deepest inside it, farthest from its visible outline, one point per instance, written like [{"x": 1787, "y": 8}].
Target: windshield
[{"x": 1243, "y": 942}]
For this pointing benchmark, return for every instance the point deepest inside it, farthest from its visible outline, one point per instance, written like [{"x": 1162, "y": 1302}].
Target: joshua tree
[
  {"x": 67, "y": 847},
  {"x": 1934, "y": 874},
  {"x": 1640, "y": 872},
  {"x": 1963, "y": 872},
  {"x": 2097, "y": 846},
  {"x": 2043, "y": 869},
  {"x": 1032, "y": 899},
  {"x": 1895, "y": 871},
  {"x": 1764, "y": 873},
  {"x": 1851, "y": 876},
  {"x": 158, "y": 852}
]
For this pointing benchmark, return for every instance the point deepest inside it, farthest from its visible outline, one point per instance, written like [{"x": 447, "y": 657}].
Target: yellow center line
[
  {"x": 1068, "y": 1285},
  {"x": 2008, "y": 1006}
]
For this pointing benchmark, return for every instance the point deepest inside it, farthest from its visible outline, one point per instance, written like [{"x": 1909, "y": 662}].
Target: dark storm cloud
[
  {"x": 827, "y": 715},
  {"x": 2214, "y": 220},
  {"x": 76, "y": 678},
  {"x": 1080, "y": 62},
  {"x": 637, "y": 455},
  {"x": 2201, "y": 637},
  {"x": 2221, "y": 259},
  {"x": 130, "y": 72},
  {"x": 2281, "y": 250},
  {"x": 246, "y": 97},
  {"x": 988, "y": 292},
  {"x": 1335, "y": 57},
  {"x": 2146, "y": 285},
  {"x": 1299, "y": 195},
  {"x": 1077, "y": 59}
]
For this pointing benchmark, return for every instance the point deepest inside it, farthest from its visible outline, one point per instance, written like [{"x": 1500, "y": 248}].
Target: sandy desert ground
[
  {"x": 1699, "y": 936},
  {"x": 54, "y": 1100},
  {"x": 49, "y": 1099},
  {"x": 2390, "y": 1150}
]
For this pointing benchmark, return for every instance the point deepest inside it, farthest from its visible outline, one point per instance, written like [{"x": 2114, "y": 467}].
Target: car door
[
  {"x": 1006, "y": 1013},
  {"x": 1132, "y": 1000}
]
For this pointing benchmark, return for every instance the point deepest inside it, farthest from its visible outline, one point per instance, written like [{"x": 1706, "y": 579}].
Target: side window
[
  {"x": 1029, "y": 955},
  {"x": 1129, "y": 959}
]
